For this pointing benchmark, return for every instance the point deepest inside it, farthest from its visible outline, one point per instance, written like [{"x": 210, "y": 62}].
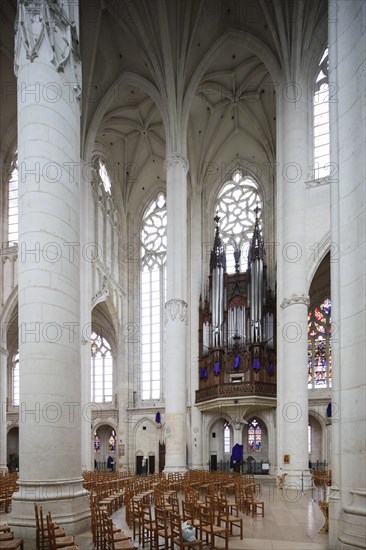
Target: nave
[{"x": 292, "y": 521}]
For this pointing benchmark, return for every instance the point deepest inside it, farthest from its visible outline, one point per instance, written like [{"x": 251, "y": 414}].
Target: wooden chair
[
  {"x": 12, "y": 544},
  {"x": 58, "y": 542},
  {"x": 148, "y": 526},
  {"x": 190, "y": 514},
  {"x": 229, "y": 519},
  {"x": 177, "y": 534},
  {"x": 211, "y": 529},
  {"x": 42, "y": 540},
  {"x": 174, "y": 501},
  {"x": 112, "y": 542},
  {"x": 6, "y": 536},
  {"x": 163, "y": 530},
  {"x": 257, "y": 507},
  {"x": 136, "y": 520}
]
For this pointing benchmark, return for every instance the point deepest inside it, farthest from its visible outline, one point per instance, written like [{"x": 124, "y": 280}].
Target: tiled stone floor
[{"x": 291, "y": 522}]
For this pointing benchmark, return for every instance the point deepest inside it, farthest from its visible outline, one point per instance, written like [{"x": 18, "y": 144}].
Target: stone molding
[
  {"x": 175, "y": 159},
  {"x": 3, "y": 351},
  {"x": 176, "y": 309},
  {"x": 295, "y": 299},
  {"x": 318, "y": 182},
  {"x": 39, "y": 20}
]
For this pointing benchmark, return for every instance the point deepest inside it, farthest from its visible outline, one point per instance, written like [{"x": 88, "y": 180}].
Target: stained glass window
[
  {"x": 153, "y": 292},
  {"x": 236, "y": 205},
  {"x": 254, "y": 436},
  {"x": 96, "y": 442},
  {"x": 321, "y": 120},
  {"x": 319, "y": 346},
  {"x": 101, "y": 369},
  {"x": 112, "y": 441},
  {"x": 13, "y": 206}
]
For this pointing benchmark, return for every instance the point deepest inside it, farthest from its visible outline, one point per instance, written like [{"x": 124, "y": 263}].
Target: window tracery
[
  {"x": 321, "y": 120},
  {"x": 153, "y": 291},
  {"x": 101, "y": 369},
  {"x": 236, "y": 207}
]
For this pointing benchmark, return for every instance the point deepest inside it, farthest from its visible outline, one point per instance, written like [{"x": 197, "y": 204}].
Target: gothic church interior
[{"x": 183, "y": 245}]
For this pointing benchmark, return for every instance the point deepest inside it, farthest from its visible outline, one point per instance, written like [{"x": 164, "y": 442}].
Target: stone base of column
[
  {"x": 3, "y": 469},
  {"x": 197, "y": 466},
  {"x": 174, "y": 469},
  {"x": 351, "y": 528},
  {"x": 67, "y": 501}
]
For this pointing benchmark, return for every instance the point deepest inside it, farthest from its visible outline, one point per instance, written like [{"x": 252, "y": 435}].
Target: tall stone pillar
[
  {"x": 47, "y": 66},
  {"x": 86, "y": 209},
  {"x": 3, "y": 400},
  {"x": 176, "y": 315},
  {"x": 347, "y": 76},
  {"x": 196, "y": 436},
  {"x": 292, "y": 310}
]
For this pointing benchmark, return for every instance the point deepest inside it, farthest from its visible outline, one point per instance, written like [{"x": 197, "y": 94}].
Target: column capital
[
  {"x": 295, "y": 299},
  {"x": 176, "y": 159},
  {"x": 46, "y": 20},
  {"x": 176, "y": 309}
]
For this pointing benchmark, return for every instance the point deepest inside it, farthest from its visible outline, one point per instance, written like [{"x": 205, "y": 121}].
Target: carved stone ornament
[
  {"x": 39, "y": 20},
  {"x": 176, "y": 159},
  {"x": 103, "y": 292},
  {"x": 303, "y": 299},
  {"x": 176, "y": 309}
]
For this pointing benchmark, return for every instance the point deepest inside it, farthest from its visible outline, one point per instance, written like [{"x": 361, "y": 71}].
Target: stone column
[
  {"x": 3, "y": 410},
  {"x": 86, "y": 230},
  {"x": 196, "y": 252},
  {"x": 48, "y": 67},
  {"x": 292, "y": 310},
  {"x": 347, "y": 76},
  {"x": 176, "y": 312}
]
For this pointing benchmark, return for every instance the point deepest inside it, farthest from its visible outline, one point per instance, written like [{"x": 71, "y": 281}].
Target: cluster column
[
  {"x": 347, "y": 75},
  {"x": 50, "y": 439},
  {"x": 292, "y": 308},
  {"x": 3, "y": 401},
  {"x": 176, "y": 315}
]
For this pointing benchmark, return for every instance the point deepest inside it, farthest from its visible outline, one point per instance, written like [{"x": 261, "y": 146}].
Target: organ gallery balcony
[{"x": 236, "y": 390}]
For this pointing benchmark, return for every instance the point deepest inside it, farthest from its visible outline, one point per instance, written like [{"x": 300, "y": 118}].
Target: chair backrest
[
  {"x": 51, "y": 532},
  {"x": 176, "y": 526},
  {"x": 108, "y": 526},
  {"x": 162, "y": 520},
  {"x": 188, "y": 509}
]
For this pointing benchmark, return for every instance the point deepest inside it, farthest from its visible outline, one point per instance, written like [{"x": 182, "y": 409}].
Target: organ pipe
[
  {"x": 217, "y": 269},
  {"x": 256, "y": 293}
]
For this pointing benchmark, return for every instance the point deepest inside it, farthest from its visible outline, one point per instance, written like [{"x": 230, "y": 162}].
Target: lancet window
[
  {"x": 254, "y": 437},
  {"x": 104, "y": 176},
  {"x": 15, "y": 378},
  {"x": 153, "y": 292},
  {"x": 321, "y": 120},
  {"x": 13, "y": 205},
  {"x": 101, "y": 369},
  {"x": 319, "y": 345}
]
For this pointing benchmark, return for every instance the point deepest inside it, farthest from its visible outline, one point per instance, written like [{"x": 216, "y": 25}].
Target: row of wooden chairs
[
  {"x": 7, "y": 539},
  {"x": 106, "y": 536},
  {"x": 49, "y": 536},
  {"x": 8, "y": 486}
]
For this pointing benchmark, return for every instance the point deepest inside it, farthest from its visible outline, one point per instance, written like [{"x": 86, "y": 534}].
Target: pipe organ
[{"x": 237, "y": 326}]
